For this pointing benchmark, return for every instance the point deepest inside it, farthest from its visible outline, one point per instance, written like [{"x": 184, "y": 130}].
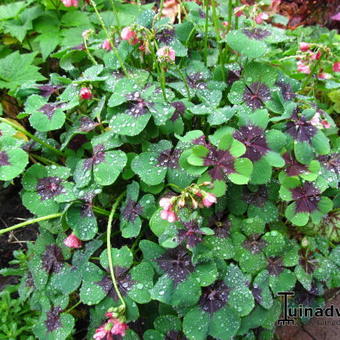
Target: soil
[{"x": 12, "y": 212}]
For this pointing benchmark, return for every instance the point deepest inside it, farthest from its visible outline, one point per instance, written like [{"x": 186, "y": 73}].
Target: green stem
[
  {"x": 89, "y": 53},
  {"x": 28, "y": 222},
  {"x": 206, "y": 3},
  {"x": 36, "y": 139},
  {"x": 44, "y": 160},
  {"x": 162, "y": 81},
  {"x": 114, "y": 49},
  {"x": 230, "y": 13},
  {"x": 109, "y": 250},
  {"x": 175, "y": 186},
  {"x": 73, "y": 307},
  {"x": 100, "y": 211},
  {"x": 115, "y": 13},
  {"x": 184, "y": 80}
]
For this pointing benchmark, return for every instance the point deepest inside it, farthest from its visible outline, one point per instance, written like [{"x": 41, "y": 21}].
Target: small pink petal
[
  {"x": 72, "y": 241},
  {"x": 304, "y": 47}
]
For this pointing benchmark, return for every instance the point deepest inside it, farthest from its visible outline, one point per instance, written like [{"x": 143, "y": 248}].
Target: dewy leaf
[{"x": 16, "y": 69}]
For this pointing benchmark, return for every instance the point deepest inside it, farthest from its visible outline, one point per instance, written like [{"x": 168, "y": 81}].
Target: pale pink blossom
[
  {"x": 119, "y": 327},
  {"x": 225, "y": 23},
  {"x": 316, "y": 56},
  {"x": 260, "y": 18},
  {"x": 318, "y": 122},
  {"x": 304, "y": 47},
  {"x": 336, "y": 17},
  {"x": 303, "y": 68},
  {"x": 166, "y": 54},
  {"x": 85, "y": 93},
  {"x": 101, "y": 333},
  {"x": 336, "y": 66},
  {"x": 209, "y": 199},
  {"x": 70, "y": 3},
  {"x": 165, "y": 203},
  {"x": 72, "y": 241},
  {"x": 168, "y": 215},
  {"x": 129, "y": 35},
  {"x": 324, "y": 75},
  {"x": 238, "y": 11},
  {"x": 106, "y": 45}
]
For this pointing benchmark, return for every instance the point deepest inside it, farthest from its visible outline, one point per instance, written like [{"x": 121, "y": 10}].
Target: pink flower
[
  {"x": 209, "y": 199},
  {"x": 316, "y": 56},
  {"x": 336, "y": 66},
  {"x": 85, "y": 93},
  {"x": 225, "y": 23},
  {"x": 238, "y": 11},
  {"x": 324, "y": 75},
  {"x": 166, "y": 54},
  {"x": 165, "y": 203},
  {"x": 106, "y": 45},
  {"x": 325, "y": 124},
  {"x": 336, "y": 17},
  {"x": 70, "y": 3},
  {"x": 101, "y": 333},
  {"x": 119, "y": 327},
  {"x": 303, "y": 68},
  {"x": 129, "y": 35},
  {"x": 72, "y": 241},
  {"x": 168, "y": 215},
  {"x": 260, "y": 18},
  {"x": 304, "y": 47},
  {"x": 319, "y": 123}
]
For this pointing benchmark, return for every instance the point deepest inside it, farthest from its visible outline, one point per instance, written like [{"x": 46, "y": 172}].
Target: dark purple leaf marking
[
  {"x": 165, "y": 36},
  {"x": 257, "y": 198},
  {"x": 176, "y": 263},
  {"x": 52, "y": 259},
  {"x": 97, "y": 158},
  {"x": 221, "y": 225},
  {"x": 254, "y": 139},
  {"x": 214, "y": 297},
  {"x": 257, "y": 293},
  {"x": 175, "y": 335},
  {"x": 307, "y": 261},
  {"x": 293, "y": 167},
  {"x": 256, "y": 94},
  {"x": 300, "y": 129},
  {"x": 49, "y": 187},
  {"x": 191, "y": 234},
  {"x": 179, "y": 110},
  {"x": 254, "y": 243},
  {"x": 137, "y": 106},
  {"x": 49, "y": 109},
  {"x": 87, "y": 124},
  {"x": 275, "y": 266},
  {"x": 53, "y": 319},
  {"x": 330, "y": 162},
  {"x": 48, "y": 89},
  {"x": 233, "y": 75},
  {"x": 286, "y": 90},
  {"x": 77, "y": 142},
  {"x": 131, "y": 210},
  {"x": 4, "y": 159},
  {"x": 306, "y": 198},
  {"x": 256, "y": 33},
  {"x": 169, "y": 158},
  {"x": 196, "y": 81}
]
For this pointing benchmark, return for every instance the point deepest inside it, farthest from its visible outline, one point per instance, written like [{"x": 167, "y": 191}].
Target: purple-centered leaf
[
  {"x": 124, "y": 282},
  {"x": 293, "y": 167},
  {"x": 275, "y": 266},
  {"x": 49, "y": 187},
  {"x": 52, "y": 259},
  {"x": 196, "y": 81},
  {"x": 307, "y": 260},
  {"x": 254, "y": 243},
  {"x": 77, "y": 142},
  {"x": 306, "y": 198},
  {"x": 257, "y": 198},
  {"x": 300, "y": 129},
  {"x": 53, "y": 319},
  {"x": 256, "y": 94},
  {"x": 330, "y": 162},
  {"x": 4, "y": 159},
  {"x": 97, "y": 157},
  {"x": 175, "y": 335},
  {"x": 87, "y": 124},
  {"x": 256, "y": 33},
  {"x": 286, "y": 90},
  {"x": 49, "y": 109},
  {"x": 257, "y": 293},
  {"x": 191, "y": 234},
  {"x": 176, "y": 263},
  {"x": 165, "y": 36},
  {"x": 214, "y": 297},
  {"x": 233, "y": 75},
  {"x": 221, "y": 225},
  {"x": 179, "y": 110},
  {"x": 169, "y": 158},
  {"x": 132, "y": 210},
  {"x": 48, "y": 89},
  {"x": 137, "y": 106},
  {"x": 254, "y": 139}
]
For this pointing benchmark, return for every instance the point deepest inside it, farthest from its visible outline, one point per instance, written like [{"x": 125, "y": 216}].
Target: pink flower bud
[
  {"x": 324, "y": 75},
  {"x": 238, "y": 11},
  {"x": 225, "y": 23},
  {"x": 316, "y": 56},
  {"x": 70, "y": 3},
  {"x": 72, "y": 241},
  {"x": 171, "y": 216},
  {"x": 336, "y": 66},
  {"x": 304, "y": 47},
  {"x": 165, "y": 203},
  {"x": 100, "y": 333},
  {"x": 119, "y": 327},
  {"x": 85, "y": 93},
  {"x": 209, "y": 199},
  {"x": 164, "y": 214},
  {"x": 166, "y": 54},
  {"x": 260, "y": 18},
  {"x": 303, "y": 68},
  {"x": 106, "y": 45},
  {"x": 129, "y": 35}
]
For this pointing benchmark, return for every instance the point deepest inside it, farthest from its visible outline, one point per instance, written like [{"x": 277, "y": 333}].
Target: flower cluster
[{"x": 113, "y": 326}]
